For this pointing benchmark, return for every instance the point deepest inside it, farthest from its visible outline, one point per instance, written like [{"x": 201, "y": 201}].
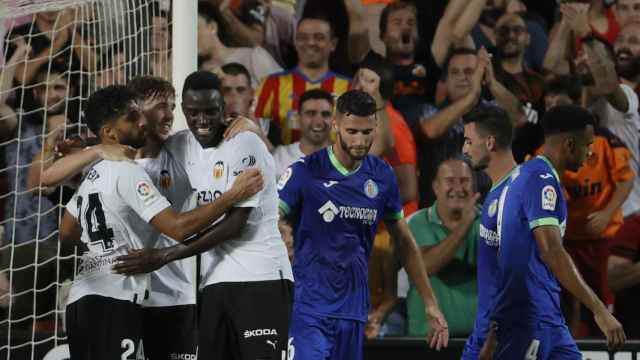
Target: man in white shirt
[
  {"x": 315, "y": 116},
  {"x": 246, "y": 277},
  {"x": 110, "y": 214}
]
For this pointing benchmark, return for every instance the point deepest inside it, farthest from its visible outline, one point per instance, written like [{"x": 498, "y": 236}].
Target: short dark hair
[
  {"x": 356, "y": 102},
  {"x": 453, "y": 53},
  {"x": 54, "y": 68},
  {"x": 315, "y": 94},
  {"x": 566, "y": 118},
  {"x": 565, "y": 84},
  {"x": 391, "y": 7},
  {"x": 493, "y": 121},
  {"x": 201, "y": 80},
  {"x": 235, "y": 69},
  {"x": 384, "y": 69},
  {"x": 149, "y": 87},
  {"x": 320, "y": 17},
  {"x": 106, "y": 105}
]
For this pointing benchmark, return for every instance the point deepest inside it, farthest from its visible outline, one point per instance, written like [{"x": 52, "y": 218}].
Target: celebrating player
[
  {"x": 334, "y": 199},
  {"x": 488, "y": 133},
  {"x": 532, "y": 263},
  {"x": 246, "y": 274},
  {"x": 108, "y": 213}
]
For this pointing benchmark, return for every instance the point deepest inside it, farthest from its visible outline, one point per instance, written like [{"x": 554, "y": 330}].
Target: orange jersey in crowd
[
  {"x": 404, "y": 150},
  {"x": 279, "y": 93},
  {"x": 590, "y": 189}
]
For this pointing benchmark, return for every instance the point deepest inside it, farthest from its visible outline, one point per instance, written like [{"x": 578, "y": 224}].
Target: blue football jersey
[
  {"x": 527, "y": 291},
  {"x": 488, "y": 257},
  {"x": 336, "y": 213}
]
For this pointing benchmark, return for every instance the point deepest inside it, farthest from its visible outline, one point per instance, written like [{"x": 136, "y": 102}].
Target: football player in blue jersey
[
  {"x": 488, "y": 133},
  {"x": 334, "y": 199},
  {"x": 532, "y": 263}
]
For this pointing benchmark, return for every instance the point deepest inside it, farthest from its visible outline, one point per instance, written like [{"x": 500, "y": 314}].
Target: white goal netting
[{"x": 53, "y": 54}]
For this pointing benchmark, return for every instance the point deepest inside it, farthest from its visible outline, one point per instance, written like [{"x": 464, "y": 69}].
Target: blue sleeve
[
  {"x": 290, "y": 187},
  {"x": 535, "y": 52},
  {"x": 393, "y": 204},
  {"x": 542, "y": 200}
]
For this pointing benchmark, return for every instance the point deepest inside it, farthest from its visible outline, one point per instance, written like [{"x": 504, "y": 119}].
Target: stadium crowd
[{"x": 284, "y": 63}]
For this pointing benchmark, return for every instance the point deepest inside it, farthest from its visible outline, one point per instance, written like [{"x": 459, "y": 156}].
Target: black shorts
[
  {"x": 100, "y": 328},
  {"x": 170, "y": 332},
  {"x": 245, "y": 320}
]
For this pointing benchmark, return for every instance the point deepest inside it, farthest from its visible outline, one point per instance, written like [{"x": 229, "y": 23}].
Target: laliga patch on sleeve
[
  {"x": 145, "y": 191},
  {"x": 284, "y": 178},
  {"x": 549, "y": 198}
]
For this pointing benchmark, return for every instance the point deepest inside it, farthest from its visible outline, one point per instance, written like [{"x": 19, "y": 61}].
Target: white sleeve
[
  {"x": 632, "y": 98},
  {"x": 137, "y": 190},
  {"x": 249, "y": 152},
  {"x": 72, "y": 205}
]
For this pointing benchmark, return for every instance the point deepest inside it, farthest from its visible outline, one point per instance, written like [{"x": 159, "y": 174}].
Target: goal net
[{"x": 53, "y": 55}]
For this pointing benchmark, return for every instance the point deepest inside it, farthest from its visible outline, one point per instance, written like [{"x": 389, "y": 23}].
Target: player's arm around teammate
[
  {"x": 549, "y": 241},
  {"x": 409, "y": 253}
]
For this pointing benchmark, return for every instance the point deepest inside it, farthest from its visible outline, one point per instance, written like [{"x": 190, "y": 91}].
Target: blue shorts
[
  {"x": 536, "y": 342},
  {"x": 318, "y": 338},
  {"x": 472, "y": 347}
]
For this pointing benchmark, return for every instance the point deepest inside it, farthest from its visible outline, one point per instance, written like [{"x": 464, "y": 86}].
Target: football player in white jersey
[
  {"x": 108, "y": 213},
  {"x": 246, "y": 275}
]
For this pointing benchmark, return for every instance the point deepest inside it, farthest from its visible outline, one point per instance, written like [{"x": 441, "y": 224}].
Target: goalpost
[{"x": 44, "y": 89}]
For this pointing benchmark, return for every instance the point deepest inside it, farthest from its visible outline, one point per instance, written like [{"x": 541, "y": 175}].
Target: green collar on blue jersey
[
  {"x": 336, "y": 163},
  {"x": 555, "y": 173}
]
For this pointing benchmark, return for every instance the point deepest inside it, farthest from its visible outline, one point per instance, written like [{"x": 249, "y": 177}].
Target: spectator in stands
[
  {"x": 31, "y": 217},
  {"x": 279, "y": 94},
  {"x": 447, "y": 234},
  {"x": 239, "y": 98},
  {"x": 595, "y": 194},
  {"x": 512, "y": 40},
  {"x": 51, "y": 32},
  {"x": 415, "y": 82},
  {"x": 113, "y": 66},
  {"x": 315, "y": 117},
  {"x": 627, "y": 11},
  {"x": 8, "y": 119},
  {"x": 480, "y": 17},
  {"x": 212, "y": 53},
  {"x": 160, "y": 42},
  {"x": 252, "y": 23},
  {"x": 627, "y": 48},
  {"x": 442, "y": 128},
  {"x": 376, "y": 78}
]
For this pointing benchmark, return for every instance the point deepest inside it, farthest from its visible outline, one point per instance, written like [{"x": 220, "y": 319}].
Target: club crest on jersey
[
  {"x": 165, "y": 179},
  {"x": 549, "y": 198},
  {"x": 218, "y": 170},
  {"x": 371, "y": 189},
  {"x": 493, "y": 207},
  {"x": 284, "y": 178}
]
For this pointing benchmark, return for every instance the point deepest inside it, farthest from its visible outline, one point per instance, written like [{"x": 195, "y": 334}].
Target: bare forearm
[
  {"x": 69, "y": 166},
  {"x": 566, "y": 272},
  {"x": 438, "y": 256},
  {"x": 439, "y": 123},
  {"x": 384, "y": 140},
  {"x": 604, "y": 73},
  {"x": 468, "y": 18},
  {"x": 623, "y": 189},
  {"x": 555, "y": 60},
  {"x": 191, "y": 222},
  {"x": 508, "y": 102},
  {"x": 243, "y": 35},
  {"x": 358, "y": 40}
]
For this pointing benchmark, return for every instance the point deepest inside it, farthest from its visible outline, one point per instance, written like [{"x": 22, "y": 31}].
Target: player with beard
[
  {"x": 533, "y": 264},
  {"x": 108, "y": 213},
  {"x": 488, "y": 136},
  {"x": 334, "y": 199},
  {"x": 246, "y": 276}
]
